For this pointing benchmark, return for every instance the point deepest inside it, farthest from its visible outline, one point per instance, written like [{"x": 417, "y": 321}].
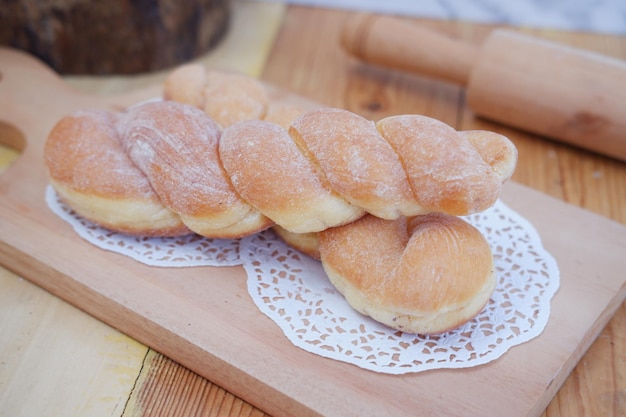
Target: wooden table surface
[{"x": 56, "y": 359}]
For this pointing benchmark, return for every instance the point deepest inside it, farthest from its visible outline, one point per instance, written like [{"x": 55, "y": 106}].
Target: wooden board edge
[{"x": 168, "y": 343}]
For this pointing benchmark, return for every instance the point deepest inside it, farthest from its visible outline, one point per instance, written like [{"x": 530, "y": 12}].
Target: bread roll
[{"x": 424, "y": 275}]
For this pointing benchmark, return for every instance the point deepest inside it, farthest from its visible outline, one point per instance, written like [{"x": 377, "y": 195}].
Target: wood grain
[
  {"x": 165, "y": 388},
  {"x": 544, "y": 87},
  {"x": 304, "y": 60},
  {"x": 96, "y": 364}
]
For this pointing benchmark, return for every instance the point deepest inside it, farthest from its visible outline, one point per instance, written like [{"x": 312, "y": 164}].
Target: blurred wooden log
[{"x": 113, "y": 37}]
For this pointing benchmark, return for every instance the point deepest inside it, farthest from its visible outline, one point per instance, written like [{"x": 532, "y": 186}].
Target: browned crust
[{"x": 427, "y": 274}]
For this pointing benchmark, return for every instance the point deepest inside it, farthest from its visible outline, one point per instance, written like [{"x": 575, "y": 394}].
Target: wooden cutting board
[{"x": 204, "y": 319}]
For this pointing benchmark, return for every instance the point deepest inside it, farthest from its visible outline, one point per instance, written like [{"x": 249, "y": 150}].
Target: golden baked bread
[
  {"x": 356, "y": 161},
  {"x": 267, "y": 170},
  {"x": 375, "y": 201},
  {"x": 426, "y": 274},
  {"x": 227, "y": 97},
  {"x": 444, "y": 168},
  {"x": 401, "y": 165},
  {"x": 91, "y": 172},
  {"x": 307, "y": 172},
  {"x": 176, "y": 147},
  {"x": 153, "y": 170}
]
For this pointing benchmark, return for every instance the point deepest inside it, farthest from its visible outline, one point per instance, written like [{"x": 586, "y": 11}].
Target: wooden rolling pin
[{"x": 567, "y": 94}]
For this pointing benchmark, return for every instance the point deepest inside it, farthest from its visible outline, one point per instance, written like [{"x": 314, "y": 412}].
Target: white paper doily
[
  {"x": 293, "y": 290},
  {"x": 183, "y": 251}
]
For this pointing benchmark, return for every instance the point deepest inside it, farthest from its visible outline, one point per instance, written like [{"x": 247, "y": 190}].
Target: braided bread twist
[
  {"x": 166, "y": 168},
  {"x": 220, "y": 158}
]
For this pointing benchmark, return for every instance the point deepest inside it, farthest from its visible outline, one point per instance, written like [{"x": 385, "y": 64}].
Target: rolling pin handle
[{"x": 398, "y": 44}]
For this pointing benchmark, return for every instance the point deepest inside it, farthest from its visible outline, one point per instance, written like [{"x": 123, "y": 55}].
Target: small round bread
[
  {"x": 271, "y": 174},
  {"x": 176, "y": 147},
  {"x": 423, "y": 275},
  {"x": 91, "y": 172}
]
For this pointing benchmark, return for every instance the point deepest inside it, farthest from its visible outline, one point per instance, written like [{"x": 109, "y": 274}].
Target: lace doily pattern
[
  {"x": 293, "y": 290},
  {"x": 183, "y": 251}
]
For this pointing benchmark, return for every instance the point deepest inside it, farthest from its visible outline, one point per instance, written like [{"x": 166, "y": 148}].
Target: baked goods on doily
[
  {"x": 293, "y": 290},
  {"x": 177, "y": 251},
  {"x": 377, "y": 201},
  {"x": 165, "y": 168},
  {"x": 376, "y": 263}
]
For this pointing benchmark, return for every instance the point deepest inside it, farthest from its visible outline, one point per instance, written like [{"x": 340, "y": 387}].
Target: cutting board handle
[
  {"x": 393, "y": 43},
  {"x": 33, "y": 98}
]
